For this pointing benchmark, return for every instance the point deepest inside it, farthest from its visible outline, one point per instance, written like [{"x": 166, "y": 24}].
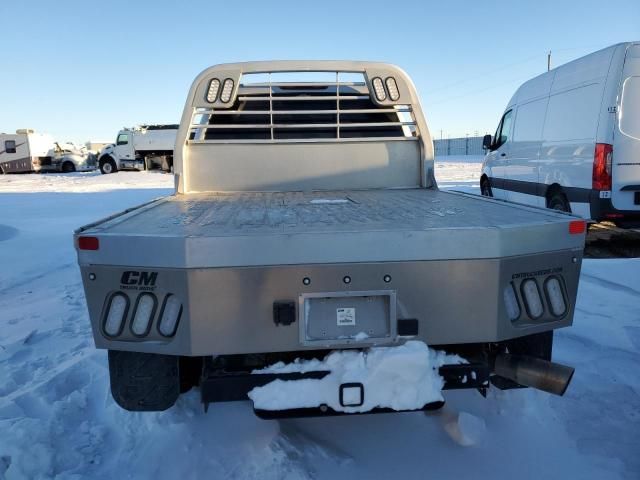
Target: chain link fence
[{"x": 458, "y": 146}]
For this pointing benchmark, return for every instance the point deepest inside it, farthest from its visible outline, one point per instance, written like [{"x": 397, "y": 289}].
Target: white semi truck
[
  {"x": 307, "y": 222},
  {"x": 140, "y": 148}
]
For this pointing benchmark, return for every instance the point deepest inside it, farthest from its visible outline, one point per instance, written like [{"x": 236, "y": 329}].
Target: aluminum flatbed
[{"x": 287, "y": 228}]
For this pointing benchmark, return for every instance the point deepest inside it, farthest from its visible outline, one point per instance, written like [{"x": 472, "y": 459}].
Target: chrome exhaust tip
[{"x": 534, "y": 372}]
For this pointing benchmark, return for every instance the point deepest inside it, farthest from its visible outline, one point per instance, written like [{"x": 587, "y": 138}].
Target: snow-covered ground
[
  {"x": 459, "y": 172},
  {"x": 57, "y": 418}
]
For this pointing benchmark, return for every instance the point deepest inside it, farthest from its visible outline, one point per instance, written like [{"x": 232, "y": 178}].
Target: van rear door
[{"x": 625, "y": 193}]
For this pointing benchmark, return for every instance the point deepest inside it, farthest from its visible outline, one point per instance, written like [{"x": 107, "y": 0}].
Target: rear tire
[
  {"x": 68, "y": 167},
  {"x": 108, "y": 166},
  {"x": 558, "y": 201},
  {"x": 485, "y": 187},
  {"x": 190, "y": 372}
]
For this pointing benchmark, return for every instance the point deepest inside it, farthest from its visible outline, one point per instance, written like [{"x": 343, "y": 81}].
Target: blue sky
[{"x": 81, "y": 70}]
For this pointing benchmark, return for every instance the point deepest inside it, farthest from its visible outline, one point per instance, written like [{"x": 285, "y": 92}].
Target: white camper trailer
[
  {"x": 140, "y": 148},
  {"x": 26, "y": 151}
]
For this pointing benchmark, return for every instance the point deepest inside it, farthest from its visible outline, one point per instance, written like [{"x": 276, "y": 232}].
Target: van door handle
[{"x": 503, "y": 154}]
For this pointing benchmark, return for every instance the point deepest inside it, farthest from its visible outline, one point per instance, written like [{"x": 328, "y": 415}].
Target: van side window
[
  {"x": 530, "y": 121},
  {"x": 123, "y": 139},
  {"x": 503, "y": 133},
  {"x": 496, "y": 136},
  {"x": 10, "y": 146}
]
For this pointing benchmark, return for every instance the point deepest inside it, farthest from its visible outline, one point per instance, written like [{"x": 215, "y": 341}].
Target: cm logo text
[{"x": 134, "y": 280}]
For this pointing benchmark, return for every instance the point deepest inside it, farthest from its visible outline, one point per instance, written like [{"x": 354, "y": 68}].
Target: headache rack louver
[{"x": 291, "y": 111}]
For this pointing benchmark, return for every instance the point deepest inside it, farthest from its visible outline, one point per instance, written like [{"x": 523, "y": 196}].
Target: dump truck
[
  {"x": 307, "y": 224},
  {"x": 144, "y": 147}
]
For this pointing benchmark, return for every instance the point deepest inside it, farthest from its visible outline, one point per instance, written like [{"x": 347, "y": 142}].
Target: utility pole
[{"x": 549, "y": 61}]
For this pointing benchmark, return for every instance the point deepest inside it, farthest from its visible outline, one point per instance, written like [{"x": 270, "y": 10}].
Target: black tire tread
[
  {"x": 68, "y": 167},
  {"x": 485, "y": 182},
  {"x": 110, "y": 160},
  {"x": 558, "y": 201}
]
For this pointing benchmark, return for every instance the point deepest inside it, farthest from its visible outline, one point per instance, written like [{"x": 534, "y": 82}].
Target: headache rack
[
  {"x": 280, "y": 111},
  {"x": 170, "y": 126},
  {"x": 300, "y": 126}
]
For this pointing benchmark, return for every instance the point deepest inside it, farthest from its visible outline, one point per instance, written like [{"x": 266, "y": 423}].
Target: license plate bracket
[{"x": 340, "y": 318}]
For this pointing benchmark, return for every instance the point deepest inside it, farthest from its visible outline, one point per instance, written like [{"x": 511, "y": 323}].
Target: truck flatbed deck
[{"x": 266, "y": 228}]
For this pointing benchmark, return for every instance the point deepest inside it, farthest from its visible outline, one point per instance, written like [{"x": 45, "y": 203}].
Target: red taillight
[
  {"x": 602, "y": 166},
  {"x": 577, "y": 226},
  {"x": 88, "y": 243}
]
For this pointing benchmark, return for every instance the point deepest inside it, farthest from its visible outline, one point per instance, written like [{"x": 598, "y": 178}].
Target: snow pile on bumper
[{"x": 401, "y": 378}]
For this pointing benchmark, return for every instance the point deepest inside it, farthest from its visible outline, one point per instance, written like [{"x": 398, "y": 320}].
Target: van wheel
[
  {"x": 558, "y": 201},
  {"x": 68, "y": 167},
  {"x": 108, "y": 166},
  {"x": 485, "y": 187}
]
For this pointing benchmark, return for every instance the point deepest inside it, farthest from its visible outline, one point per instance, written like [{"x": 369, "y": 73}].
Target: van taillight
[{"x": 602, "y": 166}]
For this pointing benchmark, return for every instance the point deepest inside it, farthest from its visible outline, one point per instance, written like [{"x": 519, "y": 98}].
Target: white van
[{"x": 570, "y": 139}]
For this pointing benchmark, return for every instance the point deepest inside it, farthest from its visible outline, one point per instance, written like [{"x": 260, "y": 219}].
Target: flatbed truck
[{"x": 307, "y": 220}]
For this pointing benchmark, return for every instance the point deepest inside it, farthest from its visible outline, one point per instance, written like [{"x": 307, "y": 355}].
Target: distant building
[
  {"x": 458, "y": 146},
  {"x": 95, "y": 147}
]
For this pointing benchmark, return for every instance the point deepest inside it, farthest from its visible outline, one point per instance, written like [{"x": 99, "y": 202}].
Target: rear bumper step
[
  {"x": 324, "y": 411},
  {"x": 602, "y": 209},
  {"x": 225, "y": 386}
]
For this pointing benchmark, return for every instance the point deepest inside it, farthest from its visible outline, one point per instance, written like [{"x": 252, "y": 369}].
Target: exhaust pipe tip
[
  {"x": 566, "y": 381},
  {"x": 534, "y": 372}
]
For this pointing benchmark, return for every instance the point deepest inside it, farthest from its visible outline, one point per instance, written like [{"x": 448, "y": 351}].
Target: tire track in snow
[
  {"x": 39, "y": 276},
  {"x": 606, "y": 352},
  {"x": 609, "y": 284},
  {"x": 614, "y": 399},
  {"x": 49, "y": 353},
  {"x": 60, "y": 369}
]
